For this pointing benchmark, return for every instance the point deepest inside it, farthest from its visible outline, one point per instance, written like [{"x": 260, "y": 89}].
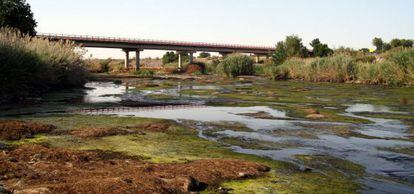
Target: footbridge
[{"x": 138, "y": 45}]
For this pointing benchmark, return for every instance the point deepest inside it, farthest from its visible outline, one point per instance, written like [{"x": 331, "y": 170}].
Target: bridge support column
[
  {"x": 191, "y": 57},
  {"x": 126, "y": 62},
  {"x": 257, "y": 58},
  {"x": 138, "y": 59},
  {"x": 180, "y": 61}
]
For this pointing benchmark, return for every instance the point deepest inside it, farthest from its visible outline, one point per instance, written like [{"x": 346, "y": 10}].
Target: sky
[{"x": 351, "y": 23}]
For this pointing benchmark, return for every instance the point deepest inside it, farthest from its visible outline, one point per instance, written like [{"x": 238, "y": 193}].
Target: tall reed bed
[
  {"x": 31, "y": 66},
  {"x": 394, "y": 68},
  {"x": 235, "y": 65}
]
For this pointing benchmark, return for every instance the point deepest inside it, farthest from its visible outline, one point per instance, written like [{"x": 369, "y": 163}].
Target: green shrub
[
  {"x": 339, "y": 68},
  {"x": 145, "y": 73},
  {"x": 258, "y": 69},
  {"x": 204, "y": 55},
  {"x": 235, "y": 65},
  {"x": 276, "y": 72},
  {"x": 212, "y": 64},
  {"x": 105, "y": 65},
  {"x": 31, "y": 66}
]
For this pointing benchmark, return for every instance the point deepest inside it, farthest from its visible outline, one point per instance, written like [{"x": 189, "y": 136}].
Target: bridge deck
[{"x": 130, "y": 43}]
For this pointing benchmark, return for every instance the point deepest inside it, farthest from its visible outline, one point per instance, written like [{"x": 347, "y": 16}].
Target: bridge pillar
[
  {"x": 126, "y": 62},
  {"x": 180, "y": 61},
  {"x": 257, "y": 58},
  {"x": 191, "y": 57},
  {"x": 138, "y": 59}
]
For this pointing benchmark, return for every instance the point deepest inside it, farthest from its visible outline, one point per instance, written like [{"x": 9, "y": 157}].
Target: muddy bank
[
  {"x": 32, "y": 168},
  {"x": 15, "y": 130}
]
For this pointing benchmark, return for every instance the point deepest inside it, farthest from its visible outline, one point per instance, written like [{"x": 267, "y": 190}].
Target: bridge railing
[{"x": 147, "y": 41}]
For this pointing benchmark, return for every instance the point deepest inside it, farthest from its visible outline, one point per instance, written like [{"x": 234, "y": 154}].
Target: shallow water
[{"x": 384, "y": 167}]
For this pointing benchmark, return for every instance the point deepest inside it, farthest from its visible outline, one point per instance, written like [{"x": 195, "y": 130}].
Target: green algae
[
  {"x": 181, "y": 144},
  {"x": 331, "y": 175}
]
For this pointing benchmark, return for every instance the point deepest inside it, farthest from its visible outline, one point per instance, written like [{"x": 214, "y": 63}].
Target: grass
[
  {"x": 394, "y": 68},
  {"x": 31, "y": 66}
]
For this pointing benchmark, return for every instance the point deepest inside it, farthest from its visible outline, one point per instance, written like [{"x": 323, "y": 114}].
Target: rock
[
  {"x": 41, "y": 190},
  {"x": 315, "y": 116}
]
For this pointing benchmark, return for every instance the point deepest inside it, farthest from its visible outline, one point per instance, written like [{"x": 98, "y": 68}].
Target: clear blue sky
[{"x": 350, "y": 23}]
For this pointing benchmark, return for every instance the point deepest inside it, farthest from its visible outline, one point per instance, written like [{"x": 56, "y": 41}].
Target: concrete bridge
[{"x": 138, "y": 45}]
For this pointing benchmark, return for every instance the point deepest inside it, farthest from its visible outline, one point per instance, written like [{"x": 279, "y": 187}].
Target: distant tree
[
  {"x": 379, "y": 44},
  {"x": 17, "y": 14},
  {"x": 294, "y": 47},
  {"x": 401, "y": 43},
  {"x": 407, "y": 43},
  {"x": 204, "y": 55},
  {"x": 364, "y": 50},
  {"x": 395, "y": 43},
  {"x": 169, "y": 57},
  {"x": 319, "y": 49},
  {"x": 291, "y": 47},
  {"x": 386, "y": 47},
  {"x": 346, "y": 51}
]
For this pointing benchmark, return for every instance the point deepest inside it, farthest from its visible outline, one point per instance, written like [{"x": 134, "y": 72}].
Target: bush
[
  {"x": 211, "y": 65},
  {"x": 396, "y": 69},
  {"x": 169, "y": 57},
  {"x": 196, "y": 68},
  {"x": 235, "y": 65},
  {"x": 204, "y": 55},
  {"x": 145, "y": 73},
  {"x": 30, "y": 66}
]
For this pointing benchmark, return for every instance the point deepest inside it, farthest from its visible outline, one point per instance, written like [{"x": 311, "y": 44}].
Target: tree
[
  {"x": 291, "y": 47},
  {"x": 386, "y": 47},
  {"x": 280, "y": 55},
  {"x": 395, "y": 43},
  {"x": 294, "y": 47},
  {"x": 379, "y": 44},
  {"x": 319, "y": 49},
  {"x": 401, "y": 43},
  {"x": 204, "y": 55},
  {"x": 17, "y": 14},
  {"x": 169, "y": 57},
  {"x": 407, "y": 43},
  {"x": 364, "y": 50}
]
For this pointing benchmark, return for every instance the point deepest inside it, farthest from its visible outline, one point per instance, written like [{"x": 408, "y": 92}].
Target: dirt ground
[{"x": 38, "y": 169}]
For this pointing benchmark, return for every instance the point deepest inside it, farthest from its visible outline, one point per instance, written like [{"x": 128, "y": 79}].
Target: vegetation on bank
[
  {"x": 394, "y": 68},
  {"x": 30, "y": 66},
  {"x": 235, "y": 65},
  {"x": 392, "y": 64}
]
